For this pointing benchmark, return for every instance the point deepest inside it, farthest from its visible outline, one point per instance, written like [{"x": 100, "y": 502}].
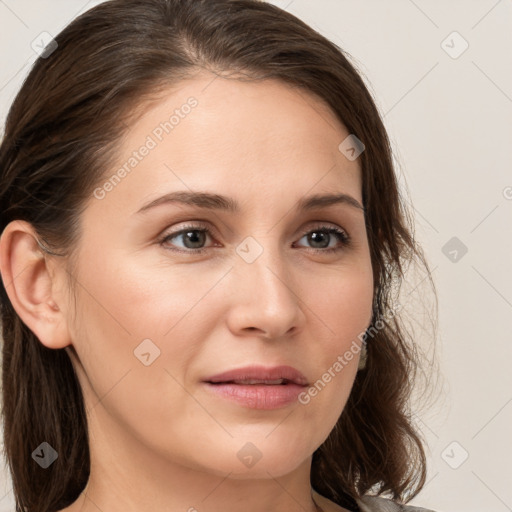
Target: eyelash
[{"x": 342, "y": 236}]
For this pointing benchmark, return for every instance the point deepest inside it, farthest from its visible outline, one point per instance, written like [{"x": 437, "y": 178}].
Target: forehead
[{"x": 211, "y": 131}]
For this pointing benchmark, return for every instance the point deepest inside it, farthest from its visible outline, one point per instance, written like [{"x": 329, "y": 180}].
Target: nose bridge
[{"x": 269, "y": 301}]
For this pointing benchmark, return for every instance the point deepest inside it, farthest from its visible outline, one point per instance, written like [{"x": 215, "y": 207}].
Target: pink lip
[
  {"x": 261, "y": 373},
  {"x": 259, "y": 396}
]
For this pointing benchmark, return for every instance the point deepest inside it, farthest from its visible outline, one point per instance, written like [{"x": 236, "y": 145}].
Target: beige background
[{"x": 449, "y": 116}]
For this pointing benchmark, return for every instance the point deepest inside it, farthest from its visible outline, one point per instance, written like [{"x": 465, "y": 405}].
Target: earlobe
[{"x": 26, "y": 276}]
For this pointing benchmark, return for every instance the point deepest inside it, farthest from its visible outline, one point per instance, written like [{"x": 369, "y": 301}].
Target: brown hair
[{"x": 60, "y": 137}]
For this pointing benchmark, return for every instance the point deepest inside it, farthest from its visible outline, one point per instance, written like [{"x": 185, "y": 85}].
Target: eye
[
  {"x": 322, "y": 236},
  {"x": 194, "y": 237}
]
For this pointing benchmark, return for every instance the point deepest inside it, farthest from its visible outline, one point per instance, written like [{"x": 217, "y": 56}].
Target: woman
[{"x": 201, "y": 237}]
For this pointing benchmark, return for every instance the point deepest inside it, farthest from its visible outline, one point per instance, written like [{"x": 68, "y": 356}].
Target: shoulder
[
  {"x": 380, "y": 504},
  {"x": 368, "y": 504},
  {"x": 326, "y": 504}
]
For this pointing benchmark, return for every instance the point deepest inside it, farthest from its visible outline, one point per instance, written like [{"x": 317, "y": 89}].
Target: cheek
[
  {"x": 138, "y": 299},
  {"x": 129, "y": 317},
  {"x": 345, "y": 309},
  {"x": 345, "y": 305},
  {"x": 133, "y": 312}
]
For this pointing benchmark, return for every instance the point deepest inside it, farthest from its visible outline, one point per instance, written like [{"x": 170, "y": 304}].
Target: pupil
[
  {"x": 189, "y": 236},
  {"x": 196, "y": 238},
  {"x": 314, "y": 238}
]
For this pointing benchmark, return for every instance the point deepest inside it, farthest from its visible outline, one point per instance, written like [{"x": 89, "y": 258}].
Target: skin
[{"x": 158, "y": 440}]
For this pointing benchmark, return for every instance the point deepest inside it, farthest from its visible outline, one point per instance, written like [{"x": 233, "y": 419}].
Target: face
[{"x": 172, "y": 294}]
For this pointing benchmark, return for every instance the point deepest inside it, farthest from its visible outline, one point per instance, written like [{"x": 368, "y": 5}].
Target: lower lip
[{"x": 258, "y": 396}]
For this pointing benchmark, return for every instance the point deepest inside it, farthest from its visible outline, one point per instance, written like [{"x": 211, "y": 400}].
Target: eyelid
[
  {"x": 319, "y": 224},
  {"x": 191, "y": 225},
  {"x": 196, "y": 225}
]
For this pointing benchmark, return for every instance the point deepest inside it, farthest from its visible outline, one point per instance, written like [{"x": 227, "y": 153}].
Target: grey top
[{"x": 380, "y": 504}]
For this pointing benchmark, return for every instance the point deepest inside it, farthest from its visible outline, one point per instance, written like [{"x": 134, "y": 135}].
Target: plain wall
[{"x": 449, "y": 116}]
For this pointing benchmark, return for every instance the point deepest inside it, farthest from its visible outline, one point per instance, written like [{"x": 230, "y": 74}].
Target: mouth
[
  {"x": 260, "y": 375},
  {"x": 258, "y": 387},
  {"x": 253, "y": 382}
]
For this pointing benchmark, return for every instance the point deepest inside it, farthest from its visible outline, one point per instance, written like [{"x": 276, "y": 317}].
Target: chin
[
  {"x": 262, "y": 470},
  {"x": 261, "y": 458}
]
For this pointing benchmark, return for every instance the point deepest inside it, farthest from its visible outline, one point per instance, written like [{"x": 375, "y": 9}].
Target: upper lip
[{"x": 264, "y": 373}]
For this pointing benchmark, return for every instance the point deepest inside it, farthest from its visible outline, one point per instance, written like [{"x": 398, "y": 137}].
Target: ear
[{"x": 31, "y": 285}]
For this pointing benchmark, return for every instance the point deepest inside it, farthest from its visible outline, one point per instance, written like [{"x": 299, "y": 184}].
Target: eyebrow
[{"x": 218, "y": 202}]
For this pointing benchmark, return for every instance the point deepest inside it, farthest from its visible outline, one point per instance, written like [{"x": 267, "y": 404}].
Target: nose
[{"x": 265, "y": 299}]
